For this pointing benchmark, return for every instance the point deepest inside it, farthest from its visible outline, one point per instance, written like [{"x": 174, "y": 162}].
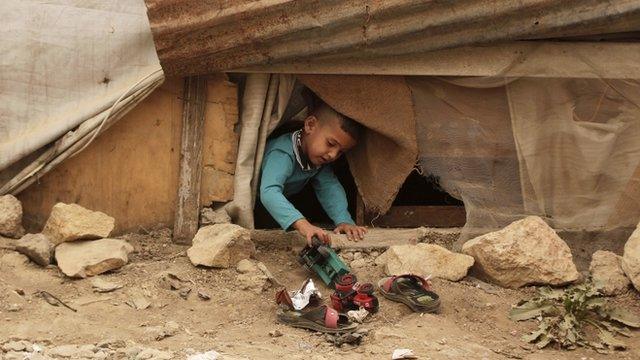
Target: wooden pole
[{"x": 187, "y": 214}]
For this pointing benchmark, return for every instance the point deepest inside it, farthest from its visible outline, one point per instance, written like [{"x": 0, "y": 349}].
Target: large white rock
[
  {"x": 607, "y": 274},
  {"x": 80, "y": 259},
  {"x": 10, "y": 217},
  {"x": 221, "y": 246},
  {"x": 527, "y": 251},
  {"x": 37, "y": 247},
  {"x": 631, "y": 258},
  {"x": 70, "y": 222},
  {"x": 425, "y": 259}
]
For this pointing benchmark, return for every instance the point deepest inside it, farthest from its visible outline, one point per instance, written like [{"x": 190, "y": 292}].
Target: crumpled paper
[
  {"x": 357, "y": 315},
  {"x": 403, "y": 354},
  {"x": 301, "y": 298}
]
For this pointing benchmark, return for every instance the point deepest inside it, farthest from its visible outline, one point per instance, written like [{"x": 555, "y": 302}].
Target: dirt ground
[{"x": 473, "y": 323}]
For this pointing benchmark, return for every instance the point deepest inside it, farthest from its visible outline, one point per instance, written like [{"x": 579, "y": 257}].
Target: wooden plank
[
  {"x": 415, "y": 216},
  {"x": 375, "y": 238},
  {"x": 188, "y": 199}
]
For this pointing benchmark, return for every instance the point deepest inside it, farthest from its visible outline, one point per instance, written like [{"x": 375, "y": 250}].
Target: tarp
[
  {"x": 67, "y": 65},
  {"x": 194, "y": 37}
]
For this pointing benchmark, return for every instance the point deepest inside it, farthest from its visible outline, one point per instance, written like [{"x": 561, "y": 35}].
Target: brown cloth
[{"x": 388, "y": 149}]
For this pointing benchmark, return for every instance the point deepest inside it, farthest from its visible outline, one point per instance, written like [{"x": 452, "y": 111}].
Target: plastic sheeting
[
  {"x": 567, "y": 150},
  {"x": 67, "y": 65},
  {"x": 194, "y": 36}
]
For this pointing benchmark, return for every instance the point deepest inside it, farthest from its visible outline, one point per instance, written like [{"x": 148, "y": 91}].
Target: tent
[{"x": 518, "y": 107}]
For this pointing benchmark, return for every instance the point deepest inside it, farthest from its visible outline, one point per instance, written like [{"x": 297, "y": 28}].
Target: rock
[
  {"x": 425, "y": 259},
  {"x": 607, "y": 274},
  {"x": 37, "y": 247},
  {"x": 631, "y": 258},
  {"x": 347, "y": 255},
  {"x": 209, "y": 216},
  {"x": 221, "y": 246},
  {"x": 16, "y": 355},
  {"x": 80, "y": 259},
  {"x": 275, "y": 333},
  {"x": 72, "y": 351},
  {"x": 357, "y": 255},
  {"x": 112, "y": 344},
  {"x": 103, "y": 286},
  {"x": 10, "y": 217},
  {"x": 17, "y": 346},
  {"x": 170, "y": 328},
  {"x": 203, "y": 295},
  {"x": 254, "y": 276},
  {"x": 525, "y": 252},
  {"x": 138, "y": 301},
  {"x": 153, "y": 354},
  {"x": 71, "y": 222},
  {"x": 358, "y": 263},
  {"x": 246, "y": 266}
]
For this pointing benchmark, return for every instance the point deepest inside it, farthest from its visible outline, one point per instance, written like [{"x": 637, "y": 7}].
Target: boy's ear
[{"x": 310, "y": 123}]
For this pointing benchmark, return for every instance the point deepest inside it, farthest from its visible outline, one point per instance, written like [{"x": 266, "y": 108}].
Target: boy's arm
[
  {"x": 332, "y": 196},
  {"x": 276, "y": 169}
]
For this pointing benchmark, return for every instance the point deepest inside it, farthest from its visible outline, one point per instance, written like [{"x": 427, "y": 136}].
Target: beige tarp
[{"x": 68, "y": 70}]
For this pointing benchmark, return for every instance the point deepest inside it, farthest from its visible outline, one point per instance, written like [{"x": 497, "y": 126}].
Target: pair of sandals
[{"x": 411, "y": 290}]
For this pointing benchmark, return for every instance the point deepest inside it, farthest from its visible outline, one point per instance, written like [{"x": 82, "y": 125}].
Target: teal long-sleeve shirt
[{"x": 283, "y": 176}]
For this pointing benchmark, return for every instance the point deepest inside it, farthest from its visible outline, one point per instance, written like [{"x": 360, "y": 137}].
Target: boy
[{"x": 293, "y": 159}]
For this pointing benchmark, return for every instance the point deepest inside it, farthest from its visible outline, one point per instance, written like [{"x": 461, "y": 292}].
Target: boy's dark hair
[{"x": 314, "y": 104}]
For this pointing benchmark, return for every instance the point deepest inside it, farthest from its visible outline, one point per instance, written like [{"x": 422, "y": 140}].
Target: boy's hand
[
  {"x": 354, "y": 232},
  {"x": 309, "y": 231}
]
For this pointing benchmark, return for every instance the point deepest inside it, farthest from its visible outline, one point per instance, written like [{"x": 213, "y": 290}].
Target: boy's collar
[{"x": 301, "y": 157}]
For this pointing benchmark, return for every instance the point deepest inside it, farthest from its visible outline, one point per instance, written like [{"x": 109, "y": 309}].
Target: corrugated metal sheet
[{"x": 194, "y": 36}]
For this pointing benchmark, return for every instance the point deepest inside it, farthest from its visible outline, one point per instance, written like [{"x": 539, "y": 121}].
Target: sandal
[
  {"x": 323, "y": 319},
  {"x": 411, "y": 290}
]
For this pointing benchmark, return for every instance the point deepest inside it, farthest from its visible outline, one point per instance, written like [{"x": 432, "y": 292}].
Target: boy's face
[{"x": 324, "y": 140}]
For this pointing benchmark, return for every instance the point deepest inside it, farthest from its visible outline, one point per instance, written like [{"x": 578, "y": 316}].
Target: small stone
[
  {"x": 245, "y": 266},
  {"x": 357, "y": 255},
  {"x": 88, "y": 258},
  {"x": 10, "y": 217},
  {"x": 374, "y": 254},
  {"x": 607, "y": 274},
  {"x": 170, "y": 328},
  {"x": 72, "y": 351},
  {"x": 203, "y": 295},
  {"x": 37, "y": 247},
  {"x": 17, "y": 346},
  {"x": 347, "y": 255},
  {"x": 527, "y": 251},
  {"x": 16, "y": 355},
  {"x": 112, "y": 344},
  {"x": 275, "y": 333},
  {"x": 153, "y": 354},
  {"x": 103, "y": 286},
  {"x": 209, "y": 216},
  {"x": 256, "y": 282},
  {"x": 71, "y": 222},
  {"x": 631, "y": 258},
  {"x": 358, "y": 263},
  {"x": 138, "y": 301},
  {"x": 221, "y": 246}
]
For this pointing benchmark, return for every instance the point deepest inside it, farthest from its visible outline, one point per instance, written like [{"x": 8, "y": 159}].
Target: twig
[{"x": 47, "y": 296}]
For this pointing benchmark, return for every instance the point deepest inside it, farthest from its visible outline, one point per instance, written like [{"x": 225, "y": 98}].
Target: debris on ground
[
  {"x": 71, "y": 222},
  {"x": 80, "y": 259},
  {"x": 358, "y": 315},
  {"x": 251, "y": 276},
  {"x": 351, "y": 338},
  {"x": 221, "y": 246},
  {"x": 577, "y": 316},
  {"x": 527, "y": 251},
  {"x": 631, "y": 258},
  {"x": 10, "y": 217},
  {"x": 209, "y": 216},
  {"x": 101, "y": 285},
  {"x": 53, "y": 300},
  {"x": 425, "y": 259},
  {"x": 138, "y": 301},
  {"x": 607, "y": 274},
  {"x": 36, "y": 247},
  {"x": 157, "y": 333},
  {"x": 275, "y": 333},
  {"x": 403, "y": 354},
  {"x": 209, "y": 355},
  {"x": 203, "y": 295}
]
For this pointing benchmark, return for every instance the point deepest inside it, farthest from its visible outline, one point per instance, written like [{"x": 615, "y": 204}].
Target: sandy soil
[{"x": 473, "y": 323}]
